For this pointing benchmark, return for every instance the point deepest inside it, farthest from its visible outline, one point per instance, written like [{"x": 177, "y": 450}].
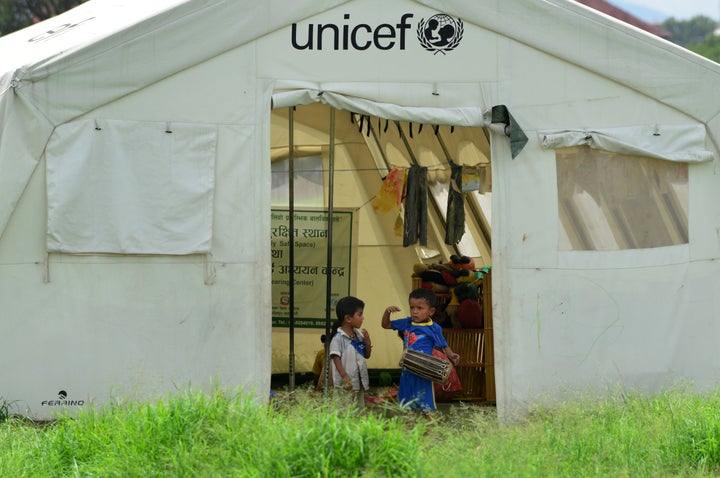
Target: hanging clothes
[
  {"x": 416, "y": 215},
  {"x": 455, "y": 216},
  {"x": 391, "y": 192}
]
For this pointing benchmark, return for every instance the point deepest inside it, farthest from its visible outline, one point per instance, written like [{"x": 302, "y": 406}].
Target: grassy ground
[{"x": 305, "y": 435}]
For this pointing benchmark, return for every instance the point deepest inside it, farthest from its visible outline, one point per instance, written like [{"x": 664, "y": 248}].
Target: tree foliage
[
  {"x": 17, "y": 14},
  {"x": 696, "y": 34},
  {"x": 710, "y": 48},
  {"x": 688, "y": 32}
]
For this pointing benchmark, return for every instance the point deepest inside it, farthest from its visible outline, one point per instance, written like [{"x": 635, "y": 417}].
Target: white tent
[{"x": 135, "y": 189}]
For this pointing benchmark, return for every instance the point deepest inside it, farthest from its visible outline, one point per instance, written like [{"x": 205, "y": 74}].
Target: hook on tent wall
[
  {"x": 167, "y": 127},
  {"x": 97, "y": 126}
]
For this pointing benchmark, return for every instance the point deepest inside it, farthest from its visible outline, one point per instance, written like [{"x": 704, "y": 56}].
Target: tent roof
[
  {"x": 103, "y": 50},
  {"x": 101, "y": 32},
  {"x": 104, "y": 32}
]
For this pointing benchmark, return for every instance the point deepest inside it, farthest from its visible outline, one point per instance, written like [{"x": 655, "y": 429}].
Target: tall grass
[
  {"x": 218, "y": 434},
  {"x": 4, "y": 409}
]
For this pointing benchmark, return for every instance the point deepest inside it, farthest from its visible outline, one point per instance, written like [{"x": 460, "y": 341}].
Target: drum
[{"x": 426, "y": 366}]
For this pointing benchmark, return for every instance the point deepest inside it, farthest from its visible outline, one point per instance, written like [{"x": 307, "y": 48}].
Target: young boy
[
  {"x": 349, "y": 348},
  {"x": 422, "y": 334}
]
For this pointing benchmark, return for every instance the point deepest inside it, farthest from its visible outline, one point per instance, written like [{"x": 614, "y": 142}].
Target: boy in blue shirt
[{"x": 420, "y": 333}]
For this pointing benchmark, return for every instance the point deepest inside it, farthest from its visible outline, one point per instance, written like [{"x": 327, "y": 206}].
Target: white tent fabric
[
  {"x": 152, "y": 195},
  {"x": 564, "y": 320},
  {"x": 683, "y": 143},
  {"x": 53, "y": 77}
]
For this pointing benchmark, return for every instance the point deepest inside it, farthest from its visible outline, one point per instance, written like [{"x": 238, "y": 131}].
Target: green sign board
[{"x": 311, "y": 268}]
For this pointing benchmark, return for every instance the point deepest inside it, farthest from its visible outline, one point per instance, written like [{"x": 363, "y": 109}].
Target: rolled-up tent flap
[
  {"x": 456, "y": 112},
  {"x": 447, "y": 115},
  {"x": 680, "y": 143}
]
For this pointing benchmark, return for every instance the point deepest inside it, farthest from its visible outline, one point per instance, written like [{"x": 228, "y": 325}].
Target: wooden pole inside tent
[
  {"x": 328, "y": 290},
  {"x": 291, "y": 247}
]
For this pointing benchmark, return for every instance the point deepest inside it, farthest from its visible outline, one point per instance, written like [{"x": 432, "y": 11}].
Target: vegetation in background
[
  {"x": 17, "y": 14},
  {"x": 710, "y": 48},
  {"x": 673, "y": 434},
  {"x": 696, "y": 34},
  {"x": 4, "y": 409},
  {"x": 689, "y": 32}
]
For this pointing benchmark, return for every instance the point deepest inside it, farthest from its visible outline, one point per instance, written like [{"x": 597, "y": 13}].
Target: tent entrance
[{"x": 366, "y": 151}]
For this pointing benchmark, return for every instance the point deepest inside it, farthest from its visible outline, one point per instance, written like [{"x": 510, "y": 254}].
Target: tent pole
[
  {"x": 291, "y": 247},
  {"x": 328, "y": 290}
]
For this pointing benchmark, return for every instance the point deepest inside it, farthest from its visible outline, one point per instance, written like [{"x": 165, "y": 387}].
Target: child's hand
[
  {"x": 366, "y": 335},
  {"x": 347, "y": 383},
  {"x": 454, "y": 358},
  {"x": 391, "y": 309}
]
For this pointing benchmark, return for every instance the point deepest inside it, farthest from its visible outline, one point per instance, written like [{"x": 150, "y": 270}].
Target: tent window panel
[
  {"x": 309, "y": 185},
  {"x": 130, "y": 187},
  {"x": 611, "y": 201}
]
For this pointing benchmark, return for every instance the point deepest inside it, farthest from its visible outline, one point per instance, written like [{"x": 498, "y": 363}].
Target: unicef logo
[{"x": 440, "y": 33}]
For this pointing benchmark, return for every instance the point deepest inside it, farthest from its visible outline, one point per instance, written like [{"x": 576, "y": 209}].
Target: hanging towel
[
  {"x": 470, "y": 179},
  {"x": 416, "y": 216},
  {"x": 455, "y": 216},
  {"x": 391, "y": 192}
]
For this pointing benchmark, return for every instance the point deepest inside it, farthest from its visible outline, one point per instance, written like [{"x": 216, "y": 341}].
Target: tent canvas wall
[{"x": 135, "y": 189}]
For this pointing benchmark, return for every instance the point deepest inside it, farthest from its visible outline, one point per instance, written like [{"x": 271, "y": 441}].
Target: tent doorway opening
[{"x": 337, "y": 163}]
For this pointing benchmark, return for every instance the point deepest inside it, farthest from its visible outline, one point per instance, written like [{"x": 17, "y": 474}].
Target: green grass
[{"x": 222, "y": 435}]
